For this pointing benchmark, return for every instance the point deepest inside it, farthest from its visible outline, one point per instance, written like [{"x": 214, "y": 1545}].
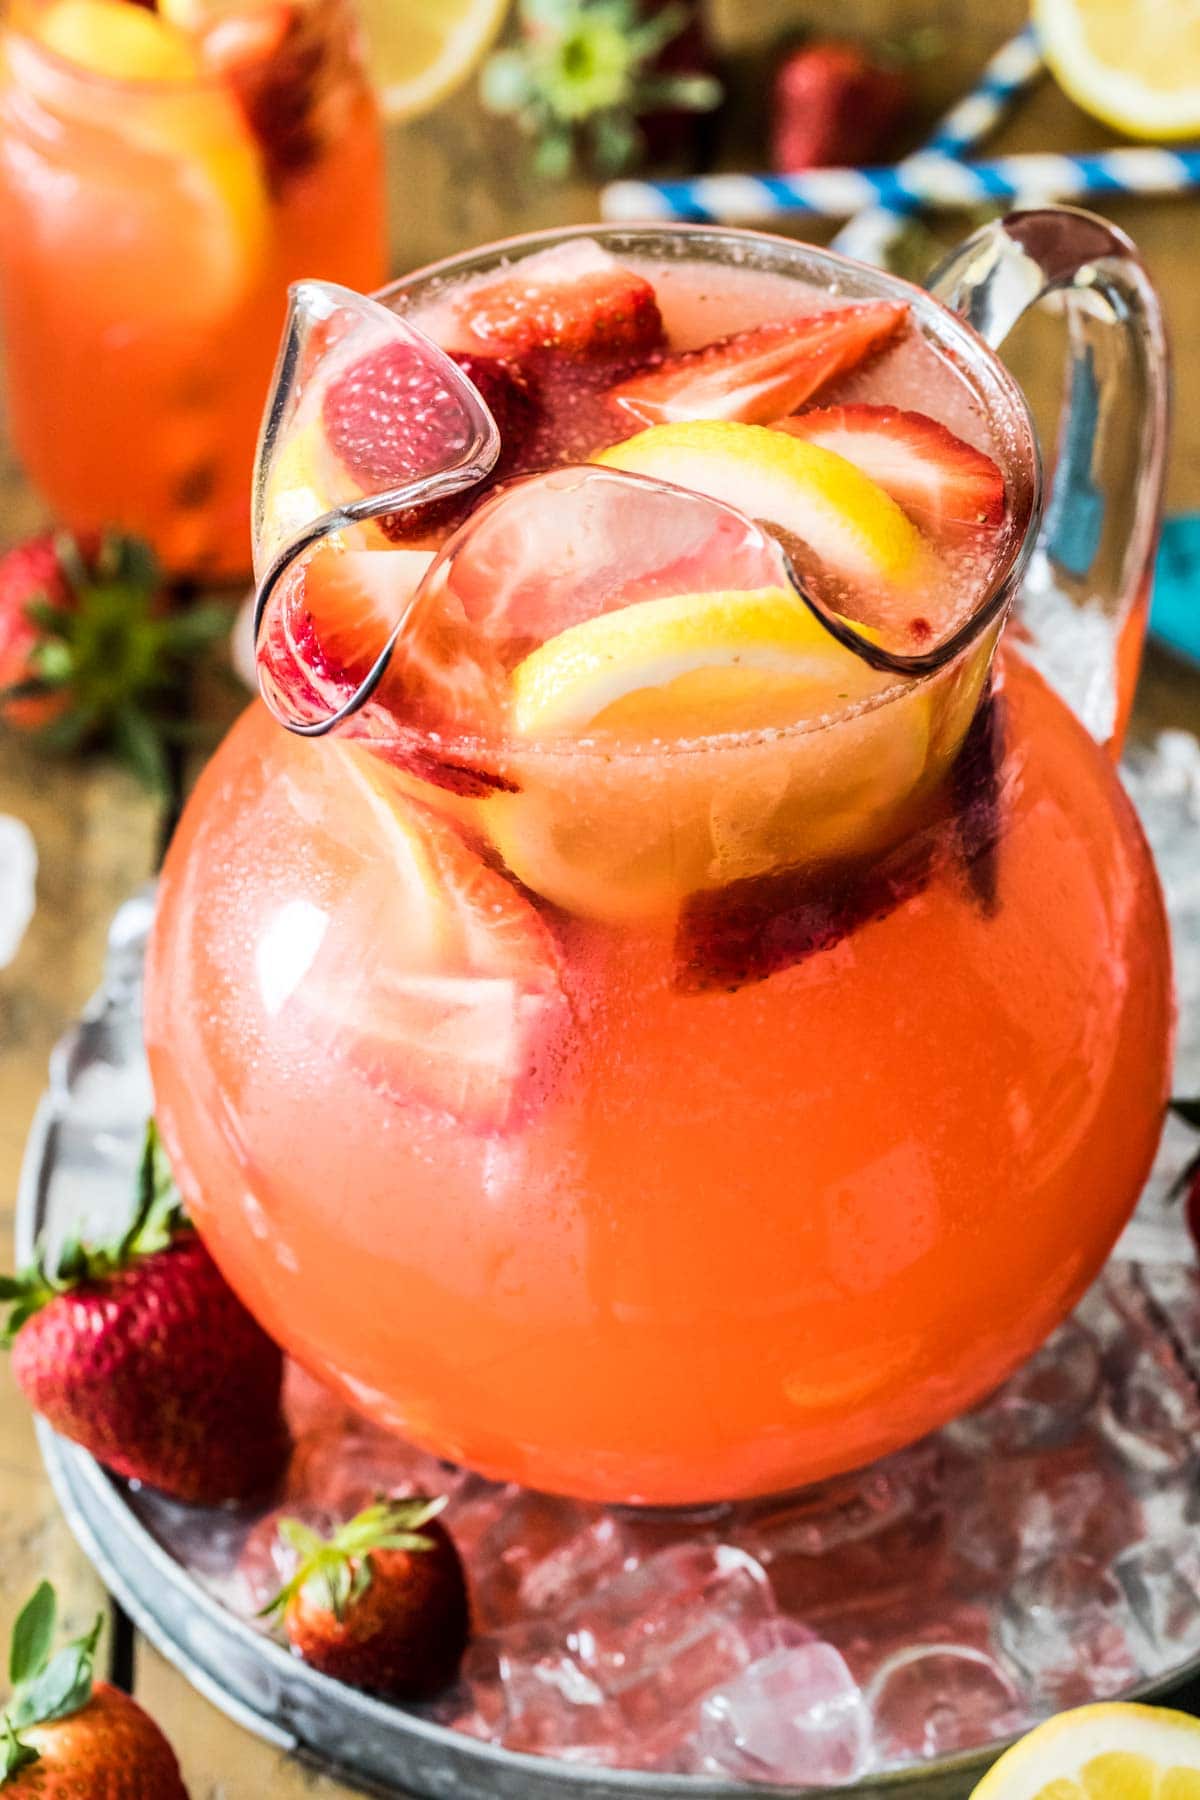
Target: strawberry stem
[
  {"x": 340, "y": 1564},
  {"x": 158, "y": 1214}
]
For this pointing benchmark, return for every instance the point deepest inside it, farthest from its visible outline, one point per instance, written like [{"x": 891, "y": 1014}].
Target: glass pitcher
[{"x": 670, "y": 1107}]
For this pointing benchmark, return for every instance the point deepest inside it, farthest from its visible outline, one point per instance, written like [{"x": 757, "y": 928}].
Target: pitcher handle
[{"x": 1086, "y": 592}]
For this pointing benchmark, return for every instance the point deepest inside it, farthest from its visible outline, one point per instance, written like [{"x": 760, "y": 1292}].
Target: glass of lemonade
[
  {"x": 163, "y": 177},
  {"x": 685, "y": 1009}
]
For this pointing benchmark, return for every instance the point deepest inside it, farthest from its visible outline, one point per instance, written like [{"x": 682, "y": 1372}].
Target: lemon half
[
  {"x": 1114, "y": 1751},
  {"x": 418, "y": 51},
  {"x": 1133, "y": 63}
]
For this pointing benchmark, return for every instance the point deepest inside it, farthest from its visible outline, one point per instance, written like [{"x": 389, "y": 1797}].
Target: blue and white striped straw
[
  {"x": 1014, "y": 68},
  {"x": 920, "y": 180}
]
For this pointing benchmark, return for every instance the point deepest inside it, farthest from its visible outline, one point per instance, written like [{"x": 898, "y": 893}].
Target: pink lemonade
[{"x": 671, "y": 1042}]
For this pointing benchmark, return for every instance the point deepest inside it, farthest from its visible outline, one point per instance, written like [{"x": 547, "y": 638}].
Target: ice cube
[
  {"x": 879, "y": 1532},
  {"x": 530, "y": 1693},
  {"x": 1161, "y": 1582},
  {"x": 540, "y": 1553},
  {"x": 341, "y": 1470},
  {"x": 1064, "y": 1624},
  {"x": 1042, "y": 1404},
  {"x": 18, "y": 878},
  {"x": 1071, "y": 1500},
  {"x": 935, "y": 1699},
  {"x": 550, "y": 552},
  {"x": 794, "y": 1716},
  {"x": 1150, "y": 1413},
  {"x": 209, "y": 1541}
]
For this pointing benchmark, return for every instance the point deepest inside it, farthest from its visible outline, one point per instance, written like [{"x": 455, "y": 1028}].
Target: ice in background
[{"x": 1037, "y": 1553}]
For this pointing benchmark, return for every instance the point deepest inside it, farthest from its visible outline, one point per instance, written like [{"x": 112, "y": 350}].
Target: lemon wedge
[
  {"x": 1133, "y": 63},
  {"x": 418, "y": 51},
  {"x": 1114, "y": 1751},
  {"x": 687, "y": 666},
  {"x": 844, "y": 517}
]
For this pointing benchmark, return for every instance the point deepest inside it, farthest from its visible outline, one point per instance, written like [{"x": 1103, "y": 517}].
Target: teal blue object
[{"x": 1175, "y": 602}]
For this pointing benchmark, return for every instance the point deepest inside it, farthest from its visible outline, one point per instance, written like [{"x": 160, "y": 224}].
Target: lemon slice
[
  {"x": 122, "y": 42},
  {"x": 689, "y": 665},
  {"x": 855, "y": 529},
  {"x": 627, "y": 822},
  {"x": 1133, "y": 63},
  {"x": 418, "y": 51},
  {"x": 1109, "y": 1752}
]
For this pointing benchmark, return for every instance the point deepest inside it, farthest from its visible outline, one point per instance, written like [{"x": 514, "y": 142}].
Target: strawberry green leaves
[
  {"x": 32, "y": 1635},
  {"x": 91, "y": 653},
  {"x": 340, "y": 1565},
  {"x": 157, "y": 1215},
  {"x": 45, "y": 1686}
]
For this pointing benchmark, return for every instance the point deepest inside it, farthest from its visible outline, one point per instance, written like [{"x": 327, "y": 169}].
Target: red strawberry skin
[
  {"x": 29, "y": 572},
  {"x": 602, "y": 311},
  {"x": 109, "y": 1750},
  {"x": 404, "y": 1636},
  {"x": 947, "y": 485},
  {"x": 759, "y": 375},
  {"x": 161, "y": 1373},
  {"x": 832, "y": 106}
]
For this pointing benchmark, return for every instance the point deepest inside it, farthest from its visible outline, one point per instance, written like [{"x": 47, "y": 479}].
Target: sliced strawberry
[
  {"x": 510, "y": 396},
  {"x": 753, "y": 929},
  {"x": 328, "y": 620},
  {"x": 393, "y": 417},
  {"x": 462, "y": 1009},
  {"x": 978, "y": 794},
  {"x": 758, "y": 375},
  {"x": 947, "y": 485},
  {"x": 574, "y": 298}
]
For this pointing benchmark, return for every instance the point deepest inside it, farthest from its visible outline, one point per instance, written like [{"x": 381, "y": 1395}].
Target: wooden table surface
[{"x": 455, "y": 183}]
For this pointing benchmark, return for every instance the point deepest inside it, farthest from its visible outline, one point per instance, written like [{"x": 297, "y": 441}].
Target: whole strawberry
[
  {"x": 382, "y": 1603},
  {"x": 33, "y": 596},
  {"x": 89, "y": 652},
  {"x": 141, "y": 1352},
  {"x": 65, "y": 1737},
  {"x": 833, "y": 105}
]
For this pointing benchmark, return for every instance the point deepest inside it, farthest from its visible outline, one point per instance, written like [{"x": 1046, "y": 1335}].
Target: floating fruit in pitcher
[
  {"x": 575, "y": 298},
  {"x": 687, "y": 667},
  {"x": 945, "y": 484},
  {"x": 468, "y": 1020},
  {"x": 573, "y": 610},
  {"x": 760, "y": 374},
  {"x": 847, "y": 520}
]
